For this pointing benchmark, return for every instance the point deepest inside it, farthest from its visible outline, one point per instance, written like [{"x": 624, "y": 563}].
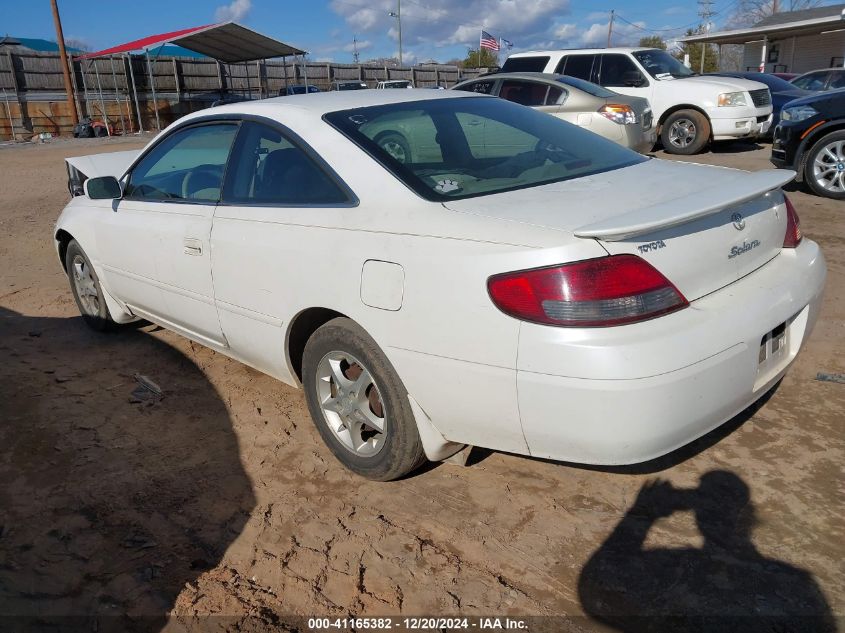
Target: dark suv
[{"x": 811, "y": 140}]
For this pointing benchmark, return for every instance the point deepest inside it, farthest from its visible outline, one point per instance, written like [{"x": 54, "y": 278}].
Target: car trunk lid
[{"x": 702, "y": 227}]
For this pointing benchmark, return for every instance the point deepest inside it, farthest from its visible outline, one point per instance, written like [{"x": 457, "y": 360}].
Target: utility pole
[
  {"x": 60, "y": 38},
  {"x": 705, "y": 11},
  {"x": 398, "y": 15},
  {"x": 610, "y": 27}
]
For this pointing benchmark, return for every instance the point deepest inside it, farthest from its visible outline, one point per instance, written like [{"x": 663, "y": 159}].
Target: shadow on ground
[
  {"x": 725, "y": 585},
  {"x": 107, "y": 508}
]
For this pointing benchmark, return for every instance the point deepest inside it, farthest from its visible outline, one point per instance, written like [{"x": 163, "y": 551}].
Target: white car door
[
  {"x": 270, "y": 239},
  {"x": 155, "y": 244}
]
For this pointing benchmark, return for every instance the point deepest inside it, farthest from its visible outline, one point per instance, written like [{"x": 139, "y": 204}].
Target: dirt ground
[{"x": 220, "y": 500}]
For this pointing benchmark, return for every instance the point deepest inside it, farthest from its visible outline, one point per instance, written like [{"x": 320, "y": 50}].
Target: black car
[
  {"x": 782, "y": 91},
  {"x": 811, "y": 140}
]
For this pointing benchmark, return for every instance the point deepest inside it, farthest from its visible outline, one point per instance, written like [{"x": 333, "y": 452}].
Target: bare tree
[{"x": 750, "y": 12}]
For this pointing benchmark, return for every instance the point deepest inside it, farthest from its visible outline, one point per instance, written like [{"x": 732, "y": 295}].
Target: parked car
[
  {"x": 819, "y": 80},
  {"x": 784, "y": 76},
  {"x": 564, "y": 297},
  {"x": 300, "y": 89},
  {"x": 811, "y": 140},
  {"x": 619, "y": 118},
  {"x": 394, "y": 84},
  {"x": 782, "y": 91},
  {"x": 690, "y": 110},
  {"x": 348, "y": 85}
]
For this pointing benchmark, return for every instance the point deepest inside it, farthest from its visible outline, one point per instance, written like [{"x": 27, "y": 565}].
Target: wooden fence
[{"x": 33, "y": 99}]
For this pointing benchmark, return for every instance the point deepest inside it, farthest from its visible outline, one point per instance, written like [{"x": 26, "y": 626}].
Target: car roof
[
  {"x": 319, "y": 103},
  {"x": 617, "y": 49},
  {"x": 551, "y": 77},
  {"x": 822, "y": 70}
]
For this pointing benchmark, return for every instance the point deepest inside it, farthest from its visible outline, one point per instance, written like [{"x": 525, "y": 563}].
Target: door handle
[
  {"x": 474, "y": 122},
  {"x": 192, "y": 247}
]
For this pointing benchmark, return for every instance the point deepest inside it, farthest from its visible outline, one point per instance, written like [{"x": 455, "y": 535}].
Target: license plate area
[{"x": 774, "y": 353}]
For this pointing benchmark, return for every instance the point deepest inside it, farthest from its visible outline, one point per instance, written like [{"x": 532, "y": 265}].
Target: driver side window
[{"x": 187, "y": 165}]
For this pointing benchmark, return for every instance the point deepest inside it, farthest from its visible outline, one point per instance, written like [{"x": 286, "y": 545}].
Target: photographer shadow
[
  {"x": 726, "y": 585},
  {"x": 111, "y": 506}
]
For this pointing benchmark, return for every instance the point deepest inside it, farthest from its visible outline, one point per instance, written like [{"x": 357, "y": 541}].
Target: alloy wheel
[
  {"x": 829, "y": 167},
  {"x": 86, "y": 286},
  {"x": 395, "y": 149},
  {"x": 682, "y": 133},
  {"x": 351, "y": 404}
]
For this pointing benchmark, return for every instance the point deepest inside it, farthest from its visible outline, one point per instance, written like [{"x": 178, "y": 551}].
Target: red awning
[{"x": 227, "y": 42}]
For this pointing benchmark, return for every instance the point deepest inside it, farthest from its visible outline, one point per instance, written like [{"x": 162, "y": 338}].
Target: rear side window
[
  {"x": 527, "y": 93},
  {"x": 525, "y": 64},
  {"x": 837, "y": 80},
  {"x": 580, "y": 66},
  {"x": 481, "y": 87},
  {"x": 614, "y": 69},
  {"x": 268, "y": 168}
]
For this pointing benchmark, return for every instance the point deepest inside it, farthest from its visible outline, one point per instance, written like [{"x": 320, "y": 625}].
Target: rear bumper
[
  {"x": 638, "y": 139},
  {"x": 604, "y": 397}
]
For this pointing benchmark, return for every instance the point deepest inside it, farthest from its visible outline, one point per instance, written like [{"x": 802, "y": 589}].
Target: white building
[{"x": 790, "y": 42}]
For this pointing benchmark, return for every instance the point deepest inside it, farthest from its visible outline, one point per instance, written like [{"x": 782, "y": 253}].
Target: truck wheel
[
  {"x": 685, "y": 132},
  {"x": 824, "y": 170},
  {"x": 358, "y": 403}
]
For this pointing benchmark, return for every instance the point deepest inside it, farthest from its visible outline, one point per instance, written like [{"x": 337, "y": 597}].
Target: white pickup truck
[{"x": 690, "y": 110}]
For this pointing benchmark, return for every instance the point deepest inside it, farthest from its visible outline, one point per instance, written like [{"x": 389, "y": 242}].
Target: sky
[{"x": 431, "y": 29}]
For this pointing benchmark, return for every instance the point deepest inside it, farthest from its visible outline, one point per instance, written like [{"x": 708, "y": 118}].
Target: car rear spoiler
[{"x": 687, "y": 208}]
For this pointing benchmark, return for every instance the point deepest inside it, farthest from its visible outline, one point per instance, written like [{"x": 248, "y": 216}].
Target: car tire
[
  {"x": 685, "y": 132},
  {"x": 396, "y": 145},
  {"x": 344, "y": 403},
  {"x": 86, "y": 289},
  {"x": 824, "y": 168}
]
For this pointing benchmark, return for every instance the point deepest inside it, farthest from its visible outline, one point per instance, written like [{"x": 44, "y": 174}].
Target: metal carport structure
[{"x": 227, "y": 42}]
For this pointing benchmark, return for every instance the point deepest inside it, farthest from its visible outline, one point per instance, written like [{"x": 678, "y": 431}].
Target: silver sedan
[{"x": 620, "y": 118}]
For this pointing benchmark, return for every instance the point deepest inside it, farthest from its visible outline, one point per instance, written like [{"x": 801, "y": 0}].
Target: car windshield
[
  {"x": 397, "y": 84},
  {"x": 587, "y": 86},
  {"x": 661, "y": 65},
  {"x": 446, "y": 149}
]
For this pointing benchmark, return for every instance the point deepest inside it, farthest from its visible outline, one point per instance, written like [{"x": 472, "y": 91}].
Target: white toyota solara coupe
[{"x": 518, "y": 284}]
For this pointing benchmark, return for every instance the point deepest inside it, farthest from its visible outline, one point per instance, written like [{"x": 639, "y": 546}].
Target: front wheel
[
  {"x": 824, "y": 171},
  {"x": 86, "y": 289},
  {"x": 685, "y": 132},
  {"x": 358, "y": 403}
]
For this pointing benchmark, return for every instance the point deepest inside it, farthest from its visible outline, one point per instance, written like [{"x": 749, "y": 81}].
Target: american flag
[{"x": 489, "y": 42}]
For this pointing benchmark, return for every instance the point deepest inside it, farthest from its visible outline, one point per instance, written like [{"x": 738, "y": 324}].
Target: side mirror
[
  {"x": 633, "y": 78},
  {"x": 103, "y": 188}
]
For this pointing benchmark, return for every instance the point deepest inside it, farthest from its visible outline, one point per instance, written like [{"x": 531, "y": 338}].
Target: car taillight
[
  {"x": 793, "y": 235},
  {"x": 591, "y": 293},
  {"x": 620, "y": 114}
]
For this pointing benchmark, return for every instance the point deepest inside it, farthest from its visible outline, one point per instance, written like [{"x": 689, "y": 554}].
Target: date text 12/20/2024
[{"x": 415, "y": 624}]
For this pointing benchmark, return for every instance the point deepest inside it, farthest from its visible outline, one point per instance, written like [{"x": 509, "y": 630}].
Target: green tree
[
  {"x": 653, "y": 41},
  {"x": 481, "y": 58},
  {"x": 695, "y": 51}
]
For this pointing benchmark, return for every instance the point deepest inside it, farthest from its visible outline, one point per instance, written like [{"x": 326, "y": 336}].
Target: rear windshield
[
  {"x": 525, "y": 64},
  {"x": 587, "y": 86},
  {"x": 446, "y": 149}
]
